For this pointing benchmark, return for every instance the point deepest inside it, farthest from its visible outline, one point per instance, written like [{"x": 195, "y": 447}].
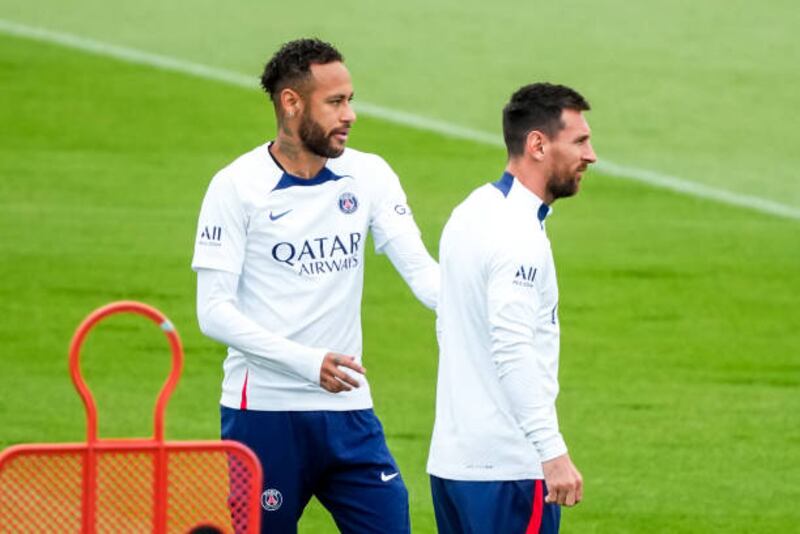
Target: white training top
[
  {"x": 498, "y": 339},
  {"x": 280, "y": 263}
]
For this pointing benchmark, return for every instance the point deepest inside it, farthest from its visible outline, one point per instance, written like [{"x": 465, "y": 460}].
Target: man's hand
[
  {"x": 564, "y": 482},
  {"x": 334, "y": 379}
]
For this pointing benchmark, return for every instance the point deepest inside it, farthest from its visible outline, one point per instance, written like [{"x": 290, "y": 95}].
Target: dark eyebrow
[
  {"x": 340, "y": 96},
  {"x": 582, "y": 138}
]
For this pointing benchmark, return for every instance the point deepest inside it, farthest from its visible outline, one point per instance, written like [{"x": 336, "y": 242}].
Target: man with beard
[
  {"x": 279, "y": 259},
  {"x": 497, "y": 460}
]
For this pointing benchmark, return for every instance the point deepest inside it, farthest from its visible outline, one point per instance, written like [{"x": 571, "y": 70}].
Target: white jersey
[
  {"x": 498, "y": 339},
  {"x": 298, "y": 248}
]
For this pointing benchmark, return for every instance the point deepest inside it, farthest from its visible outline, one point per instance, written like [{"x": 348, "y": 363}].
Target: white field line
[{"x": 653, "y": 178}]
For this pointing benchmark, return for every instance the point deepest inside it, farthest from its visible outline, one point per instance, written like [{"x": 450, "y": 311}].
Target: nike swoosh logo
[
  {"x": 387, "y": 478},
  {"x": 275, "y": 217}
]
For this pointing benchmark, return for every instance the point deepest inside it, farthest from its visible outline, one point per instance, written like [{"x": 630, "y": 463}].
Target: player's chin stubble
[
  {"x": 316, "y": 140},
  {"x": 560, "y": 188}
]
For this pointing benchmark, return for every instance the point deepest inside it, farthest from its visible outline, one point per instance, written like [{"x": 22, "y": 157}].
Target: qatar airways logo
[{"x": 320, "y": 255}]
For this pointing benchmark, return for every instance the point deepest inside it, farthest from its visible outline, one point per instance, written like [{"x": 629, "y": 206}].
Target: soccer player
[
  {"x": 280, "y": 266},
  {"x": 497, "y": 460}
]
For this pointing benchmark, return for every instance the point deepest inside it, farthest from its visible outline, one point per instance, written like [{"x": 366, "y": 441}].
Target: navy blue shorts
[
  {"x": 339, "y": 457},
  {"x": 510, "y": 507}
]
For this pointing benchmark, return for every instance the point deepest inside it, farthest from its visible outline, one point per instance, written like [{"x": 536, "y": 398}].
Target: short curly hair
[
  {"x": 291, "y": 65},
  {"x": 537, "y": 106}
]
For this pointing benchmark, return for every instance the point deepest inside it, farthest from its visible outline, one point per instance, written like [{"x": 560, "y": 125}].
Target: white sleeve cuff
[
  {"x": 551, "y": 448},
  {"x": 310, "y": 364}
]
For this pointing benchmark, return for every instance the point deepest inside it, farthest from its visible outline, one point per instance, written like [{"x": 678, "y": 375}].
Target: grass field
[{"x": 680, "y": 317}]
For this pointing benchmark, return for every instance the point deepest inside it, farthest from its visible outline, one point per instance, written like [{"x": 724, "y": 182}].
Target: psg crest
[
  {"x": 348, "y": 202},
  {"x": 271, "y": 500}
]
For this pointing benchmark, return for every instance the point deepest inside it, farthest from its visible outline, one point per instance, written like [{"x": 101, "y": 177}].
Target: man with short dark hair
[
  {"x": 279, "y": 259},
  {"x": 497, "y": 460}
]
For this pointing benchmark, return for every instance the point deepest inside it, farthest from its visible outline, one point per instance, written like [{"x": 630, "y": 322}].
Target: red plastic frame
[
  {"x": 156, "y": 444},
  {"x": 90, "y": 465},
  {"x": 166, "y": 390}
]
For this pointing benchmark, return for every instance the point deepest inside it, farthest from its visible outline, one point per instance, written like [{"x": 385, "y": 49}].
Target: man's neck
[
  {"x": 532, "y": 178},
  {"x": 295, "y": 158}
]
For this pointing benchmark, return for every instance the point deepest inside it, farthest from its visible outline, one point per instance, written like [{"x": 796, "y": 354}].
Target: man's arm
[
  {"x": 409, "y": 256},
  {"x": 397, "y": 235},
  {"x": 529, "y": 382},
  {"x": 220, "y": 319}
]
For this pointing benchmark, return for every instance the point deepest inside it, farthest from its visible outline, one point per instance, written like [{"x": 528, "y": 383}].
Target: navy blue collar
[
  {"x": 543, "y": 212},
  {"x": 504, "y": 186},
  {"x": 290, "y": 180},
  {"x": 504, "y": 183}
]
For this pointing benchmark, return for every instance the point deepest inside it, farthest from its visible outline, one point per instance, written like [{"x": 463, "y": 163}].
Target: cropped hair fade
[
  {"x": 291, "y": 64},
  {"x": 537, "y": 106}
]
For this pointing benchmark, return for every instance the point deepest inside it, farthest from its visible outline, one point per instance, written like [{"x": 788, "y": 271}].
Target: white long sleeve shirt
[
  {"x": 280, "y": 272},
  {"x": 498, "y": 337}
]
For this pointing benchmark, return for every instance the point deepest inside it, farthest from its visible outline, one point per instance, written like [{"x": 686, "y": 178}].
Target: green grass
[
  {"x": 681, "y": 347},
  {"x": 704, "y": 90}
]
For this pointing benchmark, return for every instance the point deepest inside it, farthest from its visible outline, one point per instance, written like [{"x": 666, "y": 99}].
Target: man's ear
[
  {"x": 291, "y": 103},
  {"x": 535, "y": 144}
]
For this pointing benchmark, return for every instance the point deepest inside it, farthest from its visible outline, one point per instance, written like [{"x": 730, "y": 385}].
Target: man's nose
[
  {"x": 590, "y": 156},
  {"x": 349, "y": 114}
]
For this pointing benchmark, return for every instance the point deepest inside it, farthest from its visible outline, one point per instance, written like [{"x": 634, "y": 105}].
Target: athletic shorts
[
  {"x": 339, "y": 457},
  {"x": 510, "y": 507}
]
